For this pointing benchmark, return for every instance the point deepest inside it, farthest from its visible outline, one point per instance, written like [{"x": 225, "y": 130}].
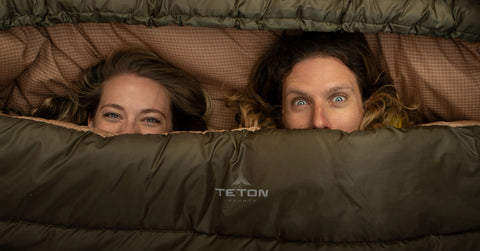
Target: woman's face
[
  {"x": 321, "y": 92},
  {"x": 133, "y": 104}
]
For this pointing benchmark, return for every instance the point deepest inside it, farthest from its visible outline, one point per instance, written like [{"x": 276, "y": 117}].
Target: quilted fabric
[
  {"x": 264, "y": 190},
  {"x": 449, "y": 19}
]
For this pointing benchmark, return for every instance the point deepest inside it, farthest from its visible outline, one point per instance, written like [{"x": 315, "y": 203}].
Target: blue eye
[
  {"x": 300, "y": 102},
  {"x": 111, "y": 115},
  {"x": 152, "y": 120},
  {"x": 338, "y": 99}
]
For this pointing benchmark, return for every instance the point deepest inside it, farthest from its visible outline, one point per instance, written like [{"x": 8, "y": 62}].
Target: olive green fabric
[
  {"x": 412, "y": 189},
  {"x": 450, "y": 19}
]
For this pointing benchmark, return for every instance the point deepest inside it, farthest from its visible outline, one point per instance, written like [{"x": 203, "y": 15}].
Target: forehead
[
  {"x": 320, "y": 72},
  {"x": 132, "y": 89}
]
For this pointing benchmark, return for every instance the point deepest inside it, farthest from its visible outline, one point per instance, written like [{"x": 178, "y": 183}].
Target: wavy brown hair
[
  {"x": 189, "y": 104},
  {"x": 260, "y": 105}
]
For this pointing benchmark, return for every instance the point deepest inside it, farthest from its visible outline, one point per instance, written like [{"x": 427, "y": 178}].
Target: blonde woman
[{"x": 132, "y": 91}]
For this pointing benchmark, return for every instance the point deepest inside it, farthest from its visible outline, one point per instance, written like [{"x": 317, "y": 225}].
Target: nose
[
  {"x": 130, "y": 127},
  {"x": 320, "y": 118}
]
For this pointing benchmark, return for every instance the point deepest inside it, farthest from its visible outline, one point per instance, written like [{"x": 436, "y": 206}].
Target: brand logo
[{"x": 241, "y": 191}]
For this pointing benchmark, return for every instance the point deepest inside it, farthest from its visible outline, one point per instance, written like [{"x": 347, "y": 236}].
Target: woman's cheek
[{"x": 107, "y": 126}]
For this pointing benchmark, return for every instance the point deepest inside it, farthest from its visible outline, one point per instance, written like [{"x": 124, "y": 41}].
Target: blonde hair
[
  {"x": 251, "y": 110},
  {"x": 261, "y": 102},
  {"x": 189, "y": 104},
  {"x": 384, "y": 109}
]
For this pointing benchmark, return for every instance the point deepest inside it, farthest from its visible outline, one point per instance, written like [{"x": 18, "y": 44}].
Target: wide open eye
[
  {"x": 338, "y": 99},
  {"x": 299, "y": 102}
]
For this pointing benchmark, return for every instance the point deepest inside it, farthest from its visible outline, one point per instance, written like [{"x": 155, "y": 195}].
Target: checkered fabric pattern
[{"x": 441, "y": 75}]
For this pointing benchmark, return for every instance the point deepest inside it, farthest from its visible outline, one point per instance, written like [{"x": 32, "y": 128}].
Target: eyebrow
[
  {"x": 339, "y": 88},
  {"x": 144, "y": 111},
  {"x": 113, "y": 106},
  {"x": 329, "y": 92}
]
